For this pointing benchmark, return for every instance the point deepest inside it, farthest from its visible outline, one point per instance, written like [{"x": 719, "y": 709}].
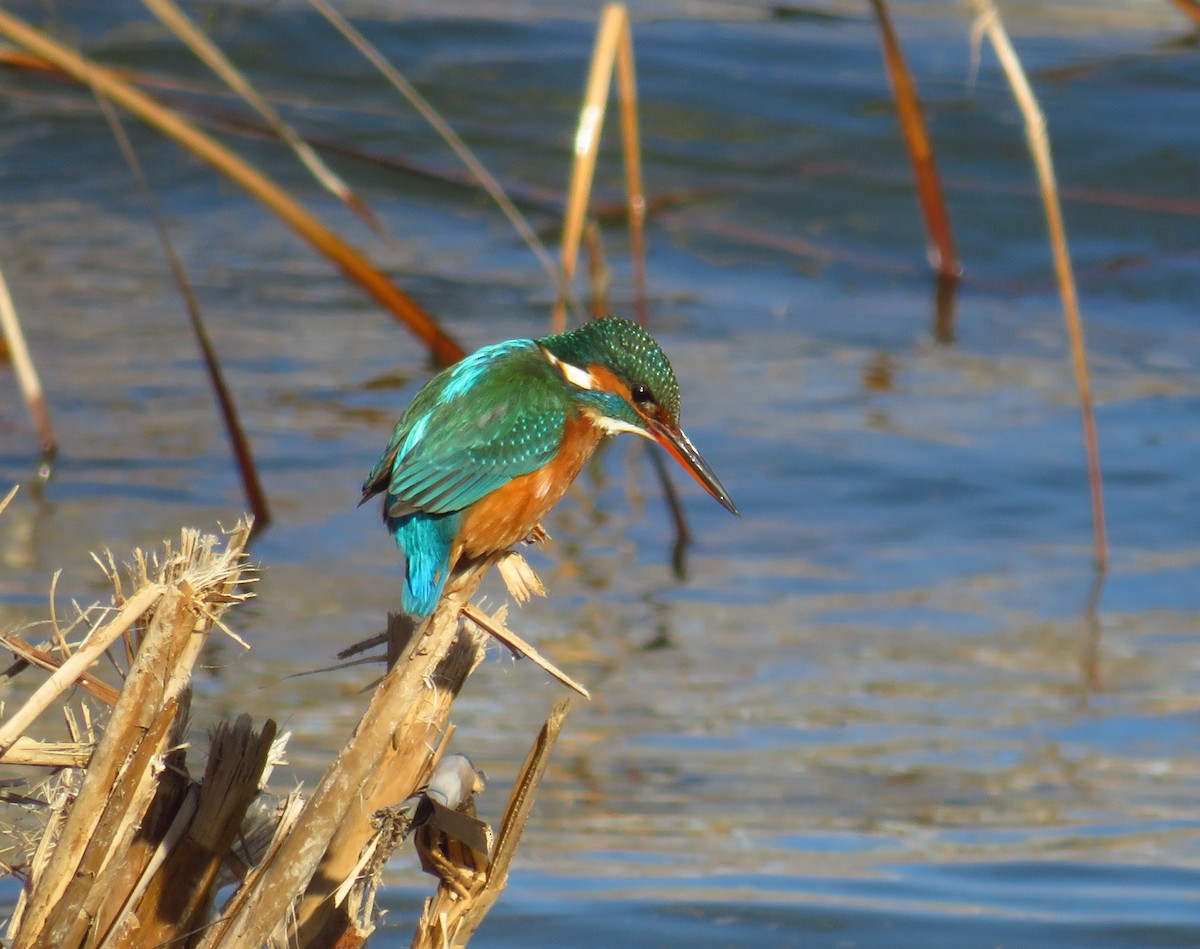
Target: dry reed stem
[
  {"x": 115, "y": 803},
  {"x": 295, "y": 863},
  {"x": 613, "y": 22},
  {"x": 182, "y": 890},
  {"x": 613, "y": 49},
  {"x": 477, "y": 169},
  {"x": 49, "y": 754},
  {"x": 402, "y": 769},
  {"x": 161, "y": 801},
  {"x": 289, "y": 812},
  {"x": 27, "y": 377},
  {"x": 599, "y": 275},
  {"x": 496, "y": 628},
  {"x": 942, "y": 254},
  {"x": 989, "y": 23},
  {"x": 119, "y": 810},
  {"x": 444, "y": 348},
  {"x": 207, "y": 52},
  {"x": 452, "y": 915},
  {"x": 35, "y": 656},
  {"x": 64, "y": 676}
]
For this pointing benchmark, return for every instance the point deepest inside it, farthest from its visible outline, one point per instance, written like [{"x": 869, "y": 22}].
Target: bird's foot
[{"x": 536, "y": 536}]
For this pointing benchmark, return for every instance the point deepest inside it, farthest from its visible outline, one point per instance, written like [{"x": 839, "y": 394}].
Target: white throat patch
[{"x": 614, "y": 426}]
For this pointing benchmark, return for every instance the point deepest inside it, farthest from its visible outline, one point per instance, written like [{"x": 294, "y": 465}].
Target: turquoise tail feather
[{"x": 426, "y": 540}]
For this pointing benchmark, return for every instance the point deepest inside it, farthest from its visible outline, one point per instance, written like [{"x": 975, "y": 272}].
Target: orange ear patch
[{"x": 604, "y": 379}]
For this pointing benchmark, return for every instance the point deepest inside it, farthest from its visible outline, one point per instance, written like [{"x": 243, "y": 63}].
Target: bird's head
[{"x": 621, "y": 375}]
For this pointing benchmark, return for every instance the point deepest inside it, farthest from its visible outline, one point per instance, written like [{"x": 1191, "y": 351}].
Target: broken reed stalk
[
  {"x": 372, "y": 751},
  {"x": 444, "y": 349},
  {"x": 27, "y": 377},
  {"x": 942, "y": 254},
  {"x": 989, "y": 23},
  {"x": 171, "y": 16},
  {"x": 613, "y": 52},
  {"x": 252, "y": 488},
  {"x": 84, "y": 887},
  {"x": 131, "y": 856},
  {"x": 452, "y": 915}
]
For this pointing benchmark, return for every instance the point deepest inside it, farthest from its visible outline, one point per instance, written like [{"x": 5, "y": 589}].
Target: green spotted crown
[{"x": 628, "y": 351}]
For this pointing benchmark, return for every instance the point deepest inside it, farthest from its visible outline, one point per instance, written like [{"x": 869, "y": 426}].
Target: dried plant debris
[{"x": 120, "y": 843}]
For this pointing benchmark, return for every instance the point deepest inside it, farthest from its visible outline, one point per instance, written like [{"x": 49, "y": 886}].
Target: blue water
[{"x": 878, "y": 710}]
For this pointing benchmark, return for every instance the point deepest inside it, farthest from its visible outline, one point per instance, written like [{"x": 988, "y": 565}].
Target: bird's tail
[{"x": 426, "y": 540}]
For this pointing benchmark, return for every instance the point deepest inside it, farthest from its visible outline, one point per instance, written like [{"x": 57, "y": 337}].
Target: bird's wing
[{"x": 453, "y": 447}]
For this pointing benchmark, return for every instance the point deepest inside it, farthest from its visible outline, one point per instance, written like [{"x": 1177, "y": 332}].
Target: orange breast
[{"x": 508, "y": 514}]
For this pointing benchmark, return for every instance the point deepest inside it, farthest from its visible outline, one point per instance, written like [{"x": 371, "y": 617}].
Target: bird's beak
[{"x": 684, "y": 452}]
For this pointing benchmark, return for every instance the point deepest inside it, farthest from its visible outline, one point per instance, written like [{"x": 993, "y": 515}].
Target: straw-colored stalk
[
  {"x": 942, "y": 254},
  {"x": 27, "y": 377},
  {"x": 613, "y": 52},
  {"x": 466, "y": 894},
  {"x": 382, "y": 763},
  {"x": 37, "y": 656},
  {"x": 989, "y": 24},
  {"x": 84, "y": 886},
  {"x": 134, "y": 850},
  {"x": 444, "y": 349}
]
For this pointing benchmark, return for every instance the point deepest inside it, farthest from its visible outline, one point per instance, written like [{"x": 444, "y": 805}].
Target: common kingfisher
[{"x": 488, "y": 446}]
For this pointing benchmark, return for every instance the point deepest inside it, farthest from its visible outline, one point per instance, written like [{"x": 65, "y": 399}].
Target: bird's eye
[{"x": 641, "y": 394}]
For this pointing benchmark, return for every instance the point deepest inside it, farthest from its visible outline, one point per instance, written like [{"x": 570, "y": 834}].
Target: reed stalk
[
  {"x": 134, "y": 850},
  {"x": 942, "y": 253},
  {"x": 172, "y": 17},
  {"x": 477, "y": 169},
  {"x": 27, "y": 376},
  {"x": 256, "y": 497},
  {"x": 613, "y": 52},
  {"x": 1189, "y": 8},
  {"x": 990, "y": 24}
]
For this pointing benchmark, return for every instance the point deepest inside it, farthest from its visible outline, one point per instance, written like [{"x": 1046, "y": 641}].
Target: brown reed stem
[
  {"x": 252, "y": 488},
  {"x": 172, "y": 17},
  {"x": 942, "y": 254}
]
